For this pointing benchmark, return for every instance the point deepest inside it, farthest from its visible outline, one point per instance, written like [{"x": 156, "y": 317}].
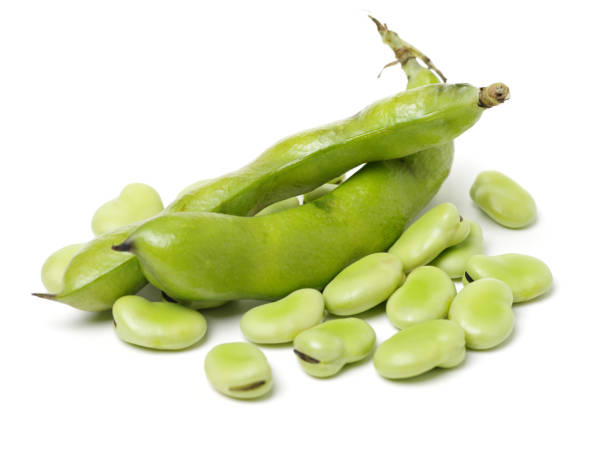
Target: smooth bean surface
[
  {"x": 136, "y": 202},
  {"x": 454, "y": 260},
  {"x": 484, "y": 311},
  {"x": 426, "y": 295},
  {"x": 52, "y": 272},
  {"x": 436, "y": 230},
  {"x": 279, "y": 206},
  {"x": 239, "y": 370},
  {"x": 420, "y": 348},
  {"x": 324, "y": 349},
  {"x": 282, "y": 320},
  {"x": 503, "y": 199},
  {"x": 363, "y": 284},
  {"x": 157, "y": 324},
  {"x": 527, "y": 276}
]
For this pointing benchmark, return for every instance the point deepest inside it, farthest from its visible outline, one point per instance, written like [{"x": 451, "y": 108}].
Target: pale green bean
[
  {"x": 420, "y": 348},
  {"x": 426, "y": 295},
  {"x": 157, "y": 324},
  {"x": 239, "y": 370},
  {"x": 503, "y": 199},
  {"x": 363, "y": 284},
  {"x": 484, "y": 310},
  {"x": 431, "y": 234},
  {"x": 136, "y": 202},
  {"x": 324, "y": 349},
  {"x": 282, "y": 320},
  {"x": 454, "y": 260},
  {"x": 527, "y": 276},
  {"x": 52, "y": 272}
]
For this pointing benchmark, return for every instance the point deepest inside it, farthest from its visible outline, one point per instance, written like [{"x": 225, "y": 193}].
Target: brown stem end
[
  {"x": 493, "y": 95},
  {"x": 124, "y": 246},
  {"x": 46, "y": 296}
]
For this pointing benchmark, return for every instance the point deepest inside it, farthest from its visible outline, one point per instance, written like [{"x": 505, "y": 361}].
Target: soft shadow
[
  {"x": 542, "y": 297},
  {"x": 232, "y": 308},
  {"x": 150, "y": 293},
  {"x": 438, "y": 373},
  {"x": 263, "y": 398},
  {"x": 89, "y": 319},
  {"x": 376, "y": 311}
]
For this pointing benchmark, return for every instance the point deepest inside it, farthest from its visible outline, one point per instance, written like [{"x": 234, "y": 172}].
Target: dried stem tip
[
  {"x": 493, "y": 95},
  {"x": 124, "y": 246}
]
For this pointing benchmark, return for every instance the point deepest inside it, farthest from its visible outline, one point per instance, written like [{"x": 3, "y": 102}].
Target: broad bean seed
[
  {"x": 363, "y": 284},
  {"x": 503, "y": 199},
  {"x": 136, "y": 202},
  {"x": 157, "y": 324},
  {"x": 484, "y": 311},
  {"x": 428, "y": 236},
  {"x": 52, "y": 272},
  {"x": 239, "y": 370},
  {"x": 324, "y": 349},
  {"x": 454, "y": 260},
  {"x": 282, "y": 320},
  {"x": 527, "y": 276},
  {"x": 426, "y": 295},
  {"x": 420, "y": 348}
]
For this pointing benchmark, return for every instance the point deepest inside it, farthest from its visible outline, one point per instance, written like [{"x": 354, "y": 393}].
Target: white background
[{"x": 94, "y": 95}]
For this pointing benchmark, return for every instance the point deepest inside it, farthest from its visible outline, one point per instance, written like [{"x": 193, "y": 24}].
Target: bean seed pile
[{"x": 292, "y": 229}]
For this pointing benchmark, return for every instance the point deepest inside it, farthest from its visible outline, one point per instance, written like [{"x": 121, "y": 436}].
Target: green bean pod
[
  {"x": 52, "y": 272},
  {"x": 204, "y": 258},
  {"x": 279, "y": 206},
  {"x": 97, "y": 276}
]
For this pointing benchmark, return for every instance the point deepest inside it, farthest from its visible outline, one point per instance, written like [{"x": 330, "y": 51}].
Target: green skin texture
[
  {"x": 279, "y": 206},
  {"x": 426, "y": 295},
  {"x": 420, "y": 348},
  {"x": 484, "y": 311},
  {"x": 401, "y": 125},
  {"x": 503, "y": 200},
  {"x": 333, "y": 344},
  {"x": 363, "y": 284},
  {"x": 454, "y": 260},
  {"x": 159, "y": 325},
  {"x": 527, "y": 276},
  {"x": 282, "y": 320},
  {"x": 239, "y": 370},
  {"x": 52, "y": 272},
  {"x": 136, "y": 202},
  {"x": 436, "y": 230},
  {"x": 208, "y": 257},
  {"x": 319, "y": 191}
]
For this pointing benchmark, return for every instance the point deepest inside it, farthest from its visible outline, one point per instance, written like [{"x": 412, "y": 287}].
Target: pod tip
[
  {"x": 46, "y": 296},
  {"x": 493, "y": 95},
  {"x": 123, "y": 246}
]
